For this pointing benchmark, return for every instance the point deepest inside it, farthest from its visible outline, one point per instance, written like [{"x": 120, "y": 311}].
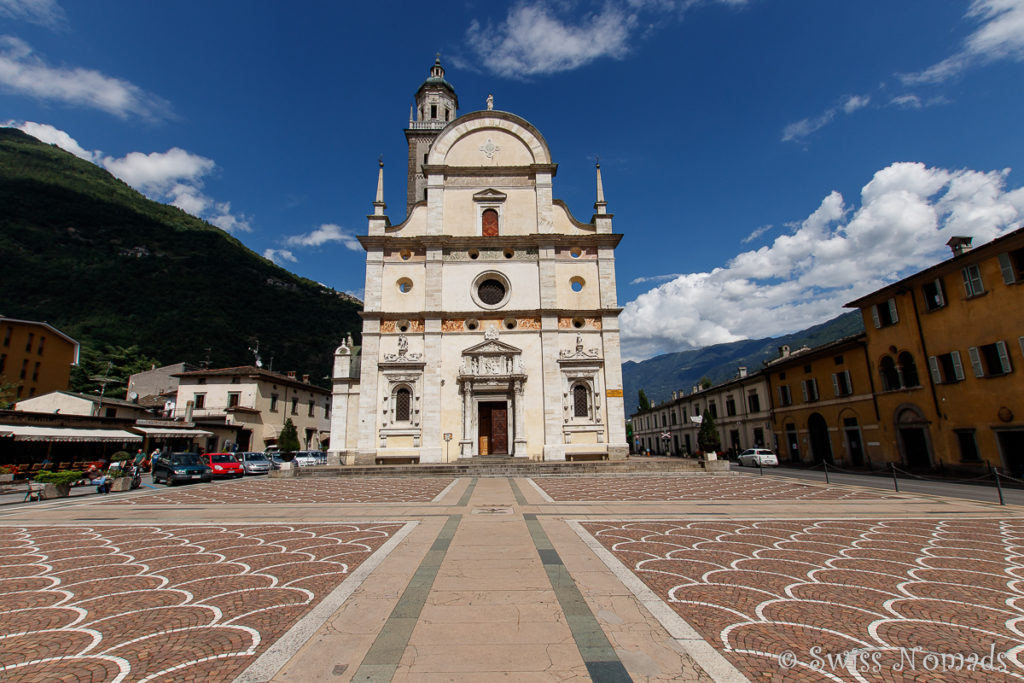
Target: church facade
[{"x": 490, "y": 322}]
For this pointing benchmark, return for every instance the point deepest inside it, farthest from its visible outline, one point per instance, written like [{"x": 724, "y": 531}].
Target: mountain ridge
[
  {"x": 107, "y": 266},
  {"x": 661, "y": 375}
]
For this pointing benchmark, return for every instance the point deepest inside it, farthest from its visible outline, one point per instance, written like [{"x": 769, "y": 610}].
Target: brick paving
[
  {"x": 695, "y": 487},
  {"x": 295, "y": 491},
  {"x": 907, "y": 597},
  {"x": 163, "y": 602}
]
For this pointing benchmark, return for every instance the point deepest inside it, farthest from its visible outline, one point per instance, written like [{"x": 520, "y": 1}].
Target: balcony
[{"x": 427, "y": 125}]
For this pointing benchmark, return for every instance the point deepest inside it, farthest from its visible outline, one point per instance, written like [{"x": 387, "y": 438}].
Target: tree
[
  {"x": 289, "y": 438},
  {"x": 707, "y": 437},
  {"x": 705, "y": 383},
  {"x": 645, "y": 403},
  {"x": 116, "y": 362}
]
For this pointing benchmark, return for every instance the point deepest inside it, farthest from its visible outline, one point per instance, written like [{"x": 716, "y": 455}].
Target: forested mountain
[
  {"x": 85, "y": 252},
  {"x": 661, "y": 375}
]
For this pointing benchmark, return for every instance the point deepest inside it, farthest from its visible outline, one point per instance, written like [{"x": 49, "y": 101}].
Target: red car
[{"x": 223, "y": 464}]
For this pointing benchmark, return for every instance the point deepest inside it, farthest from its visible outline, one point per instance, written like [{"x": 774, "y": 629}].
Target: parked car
[
  {"x": 223, "y": 464},
  {"x": 254, "y": 462},
  {"x": 304, "y": 458},
  {"x": 754, "y": 457},
  {"x": 275, "y": 460},
  {"x": 175, "y": 468}
]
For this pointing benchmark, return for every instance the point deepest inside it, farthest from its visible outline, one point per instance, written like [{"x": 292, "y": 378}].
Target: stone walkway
[{"x": 601, "y": 578}]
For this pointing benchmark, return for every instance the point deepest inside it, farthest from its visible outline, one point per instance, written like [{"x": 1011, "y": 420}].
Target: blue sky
[{"x": 766, "y": 160}]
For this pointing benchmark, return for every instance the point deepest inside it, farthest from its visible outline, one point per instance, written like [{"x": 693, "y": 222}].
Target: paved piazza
[
  {"x": 886, "y": 592},
  {"x": 730, "y": 577},
  {"x": 696, "y": 487},
  {"x": 270, "y": 491},
  {"x": 143, "y": 603}
]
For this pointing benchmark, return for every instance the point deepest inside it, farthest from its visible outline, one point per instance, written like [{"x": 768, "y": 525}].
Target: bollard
[
  {"x": 823, "y": 462},
  {"x": 999, "y": 485},
  {"x": 895, "y": 483},
  {"x": 760, "y": 467}
]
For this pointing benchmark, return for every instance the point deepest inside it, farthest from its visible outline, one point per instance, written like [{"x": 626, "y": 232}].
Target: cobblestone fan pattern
[
  {"x": 167, "y": 603},
  {"x": 695, "y": 488},
  {"x": 897, "y": 600},
  {"x": 294, "y": 491}
]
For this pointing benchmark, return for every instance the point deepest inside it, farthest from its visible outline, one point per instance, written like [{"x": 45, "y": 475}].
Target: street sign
[{"x": 447, "y": 436}]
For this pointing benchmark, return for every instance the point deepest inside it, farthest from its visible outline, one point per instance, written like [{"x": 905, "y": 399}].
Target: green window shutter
[
  {"x": 1004, "y": 357},
  {"x": 967, "y": 282},
  {"x": 1007, "y": 268},
  {"x": 940, "y": 298},
  {"x": 849, "y": 382},
  {"x": 933, "y": 365},
  {"x": 976, "y": 361},
  {"x": 958, "y": 368},
  {"x": 892, "y": 311},
  {"x": 874, "y": 316},
  {"x": 835, "y": 383}
]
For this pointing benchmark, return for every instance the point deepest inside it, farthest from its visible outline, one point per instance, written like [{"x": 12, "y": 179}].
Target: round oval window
[{"x": 491, "y": 292}]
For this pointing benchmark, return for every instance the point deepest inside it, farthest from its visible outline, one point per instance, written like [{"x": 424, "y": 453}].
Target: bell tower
[{"x": 436, "y": 106}]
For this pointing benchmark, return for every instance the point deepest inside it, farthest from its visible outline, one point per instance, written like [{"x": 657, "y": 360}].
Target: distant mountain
[
  {"x": 85, "y": 252},
  {"x": 661, "y": 375}
]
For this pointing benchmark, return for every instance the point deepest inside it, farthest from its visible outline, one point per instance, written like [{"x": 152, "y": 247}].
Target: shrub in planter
[
  {"x": 120, "y": 456},
  {"x": 6, "y": 474},
  {"x": 66, "y": 478},
  {"x": 58, "y": 484}
]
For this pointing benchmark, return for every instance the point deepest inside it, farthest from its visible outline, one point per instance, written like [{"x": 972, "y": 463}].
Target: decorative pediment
[
  {"x": 579, "y": 353},
  {"x": 489, "y": 195},
  {"x": 490, "y": 348}
]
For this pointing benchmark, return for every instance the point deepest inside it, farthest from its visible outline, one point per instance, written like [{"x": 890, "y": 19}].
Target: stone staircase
[{"x": 504, "y": 466}]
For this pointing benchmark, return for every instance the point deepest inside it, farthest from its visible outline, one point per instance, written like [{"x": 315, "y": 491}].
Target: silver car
[
  {"x": 754, "y": 457},
  {"x": 254, "y": 462}
]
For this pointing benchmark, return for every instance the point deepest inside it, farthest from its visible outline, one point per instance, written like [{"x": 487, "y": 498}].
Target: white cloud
[
  {"x": 533, "y": 40},
  {"x": 907, "y": 212},
  {"x": 160, "y": 172},
  {"x": 654, "y": 278},
  {"x": 279, "y": 255},
  {"x": 797, "y": 131},
  {"x": 906, "y": 102},
  {"x": 757, "y": 232},
  {"x": 855, "y": 102},
  {"x": 175, "y": 176},
  {"x": 43, "y": 12},
  {"x": 54, "y": 136},
  {"x": 1000, "y": 36},
  {"x": 328, "y": 232},
  {"x": 24, "y": 73}
]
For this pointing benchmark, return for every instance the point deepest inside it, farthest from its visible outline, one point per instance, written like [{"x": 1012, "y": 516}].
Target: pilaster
[
  {"x": 432, "y": 447},
  {"x": 554, "y": 449}
]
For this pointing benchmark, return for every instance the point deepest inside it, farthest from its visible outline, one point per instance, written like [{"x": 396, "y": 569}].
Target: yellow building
[
  {"x": 823, "y": 404},
  {"x": 35, "y": 359},
  {"x": 946, "y": 353}
]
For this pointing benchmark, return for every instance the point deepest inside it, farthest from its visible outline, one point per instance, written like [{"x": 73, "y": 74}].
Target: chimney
[
  {"x": 291, "y": 374},
  {"x": 784, "y": 351},
  {"x": 305, "y": 379},
  {"x": 694, "y": 389},
  {"x": 675, "y": 395},
  {"x": 742, "y": 371},
  {"x": 959, "y": 244}
]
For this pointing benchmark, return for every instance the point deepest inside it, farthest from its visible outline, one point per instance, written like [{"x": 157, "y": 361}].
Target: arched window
[
  {"x": 403, "y": 401},
  {"x": 890, "y": 376},
  {"x": 580, "y": 405},
  {"x": 489, "y": 223},
  {"x": 908, "y": 369}
]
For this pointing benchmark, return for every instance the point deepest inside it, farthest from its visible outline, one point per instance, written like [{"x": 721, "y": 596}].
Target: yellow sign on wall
[{"x": 614, "y": 393}]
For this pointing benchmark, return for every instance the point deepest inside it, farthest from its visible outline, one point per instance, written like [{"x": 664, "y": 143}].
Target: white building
[
  {"x": 491, "y": 322},
  {"x": 258, "y": 402}
]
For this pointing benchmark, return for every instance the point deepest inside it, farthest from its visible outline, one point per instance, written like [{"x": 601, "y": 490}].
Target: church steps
[{"x": 505, "y": 467}]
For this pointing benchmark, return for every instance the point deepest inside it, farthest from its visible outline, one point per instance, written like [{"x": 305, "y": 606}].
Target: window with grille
[
  {"x": 579, "y": 401},
  {"x": 403, "y": 401},
  {"x": 491, "y": 292}
]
